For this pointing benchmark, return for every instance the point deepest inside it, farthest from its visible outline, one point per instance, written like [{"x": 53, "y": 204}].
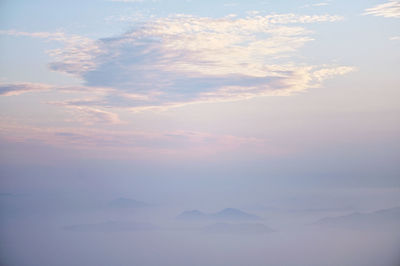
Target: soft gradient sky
[{"x": 167, "y": 99}]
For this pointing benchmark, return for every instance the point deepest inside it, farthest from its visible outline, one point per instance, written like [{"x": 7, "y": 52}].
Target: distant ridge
[
  {"x": 378, "y": 219},
  {"x": 192, "y": 215},
  {"x": 127, "y": 203},
  {"x": 242, "y": 228},
  {"x": 111, "y": 226},
  {"x": 228, "y": 214},
  {"x": 234, "y": 214}
]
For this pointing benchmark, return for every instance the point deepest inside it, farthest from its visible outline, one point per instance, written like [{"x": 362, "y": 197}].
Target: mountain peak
[
  {"x": 126, "y": 203},
  {"x": 225, "y": 214},
  {"x": 380, "y": 219},
  {"x": 234, "y": 214},
  {"x": 192, "y": 215},
  {"x": 233, "y": 228}
]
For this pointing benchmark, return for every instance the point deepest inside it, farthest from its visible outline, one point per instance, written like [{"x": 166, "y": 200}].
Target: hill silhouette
[{"x": 228, "y": 214}]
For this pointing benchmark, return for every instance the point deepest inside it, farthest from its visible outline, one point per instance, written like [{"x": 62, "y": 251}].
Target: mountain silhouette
[
  {"x": 192, "y": 215},
  {"x": 228, "y": 214},
  {"x": 242, "y": 228},
  {"x": 127, "y": 203},
  {"x": 234, "y": 214},
  {"x": 378, "y": 219},
  {"x": 111, "y": 226}
]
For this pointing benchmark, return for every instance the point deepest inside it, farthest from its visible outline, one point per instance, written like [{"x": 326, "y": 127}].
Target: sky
[
  {"x": 119, "y": 117},
  {"x": 160, "y": 99}
]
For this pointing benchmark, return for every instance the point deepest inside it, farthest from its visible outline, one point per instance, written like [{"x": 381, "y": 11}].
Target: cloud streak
[
  {"x": 390, "y": 9},
  {"x": 85, "y": 111},
  {"x": 127, "y": 143},
  {"x": 18, "y": 88},
  {"x": 90, "y": 115},
  {"x": 12, "y": 89},
  {"x": 316, "y": 4}
]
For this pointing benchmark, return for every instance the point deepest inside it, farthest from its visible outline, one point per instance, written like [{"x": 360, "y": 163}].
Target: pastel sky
[{"x": 171, "y": 95}]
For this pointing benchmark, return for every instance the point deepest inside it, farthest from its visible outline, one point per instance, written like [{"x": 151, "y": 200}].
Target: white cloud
[
  {"x": 183, "y": 59},
  {"x": 316, "y": 4},
  {"x": 321, "y": 4},
  {"x": 326, "y": 73},
  {"x": 127, "y": 1},
  {"x": 390, "y": 9},
  {"x": 132, "y": 1}
]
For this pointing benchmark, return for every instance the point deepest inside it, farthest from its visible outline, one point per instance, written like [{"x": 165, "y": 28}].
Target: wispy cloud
[
  {"x": 11, "y": 89},
  {"x": 182, "y": 59},
  {"x": 78, "y": 52},
  {"x": 321, "y": 4},
  {"x": 127, "y": 1},
  {"x": 316, "y": 4},
  {"x": 326, "y": 73},
  {"x": 18, "y": 88},
  {"x": 132, "y": 1},
  {"x": 91, "y": 115},
  {"x": 83, "y": 110},
  {"x": 134, "y": 143},
  {"x": 390, "y": 9}
]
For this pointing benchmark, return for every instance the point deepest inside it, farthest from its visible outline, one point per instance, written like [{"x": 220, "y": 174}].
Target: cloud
[
  {"x": 129, "y": 143},
  {"x": 78, "y": 52},
  {"x": 18, "y": 88},
  {"x": 395, "y": 38},
  {"x": 316, "y": 4},
  {"x": 326, "y": 73},
  {"x": 90, "y": 115},
  {"x": 390, "y": 9},
  {"x": 85, "y": 111},
  {"x": 130, "y": 1},
  {"x": 183, "y": 59},
  {"x": 12, "y": 89},
  {"x": 321, "y": 4}
]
